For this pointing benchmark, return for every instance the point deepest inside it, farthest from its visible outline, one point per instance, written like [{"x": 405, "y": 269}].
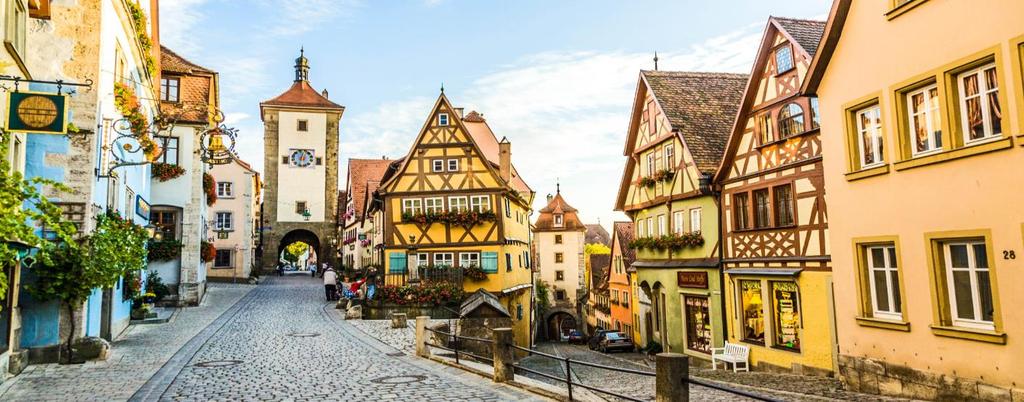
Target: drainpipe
[{"x": 707, "y": 186}]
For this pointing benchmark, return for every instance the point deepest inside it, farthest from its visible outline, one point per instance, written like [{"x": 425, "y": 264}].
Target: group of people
[{"x": 347, "y": 289}]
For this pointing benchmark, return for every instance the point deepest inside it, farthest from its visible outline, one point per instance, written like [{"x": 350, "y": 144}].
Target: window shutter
[
  {"x": 489, "y": 262},
  {"x": 397, "y": 262}
]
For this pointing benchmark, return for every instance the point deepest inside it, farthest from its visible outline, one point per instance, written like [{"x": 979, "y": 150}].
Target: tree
[
  {"x": 543, "y": 303},
  {"x": 116, "y": 248},
  {"x": 595, "y": 248},
  {"x": 293, "y": 251}
]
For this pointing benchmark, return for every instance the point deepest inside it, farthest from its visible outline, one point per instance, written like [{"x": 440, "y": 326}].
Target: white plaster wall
[
  {"x": 178, "y": 192},
  {"x": 301, "y": 184},
  {"x": 242, "y": 206},
  {"x": 571, "y": 249}
]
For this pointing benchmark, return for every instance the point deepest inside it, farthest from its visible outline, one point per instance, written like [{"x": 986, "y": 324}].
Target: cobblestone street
[{"x": 277, "y": 341}]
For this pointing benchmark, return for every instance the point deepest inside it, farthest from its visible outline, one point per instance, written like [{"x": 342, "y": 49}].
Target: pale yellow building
[
  {"x": 235, "y": 218},
  {"x": 922, "y": 116},
  {"x": 558, "y": 240}
]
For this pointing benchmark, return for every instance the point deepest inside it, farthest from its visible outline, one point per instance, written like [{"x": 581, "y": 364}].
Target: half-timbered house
[
  {"x": 776, "y": 257},
  {"x": 456, "y": 202},
  {"x": 678, "y": 129}
]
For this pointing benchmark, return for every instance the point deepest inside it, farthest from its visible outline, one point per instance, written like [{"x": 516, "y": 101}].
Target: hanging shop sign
[
  {"x": 690, "y": 279},
  {"x": 33, "y": 112},
  {"x": 141, "y": 207}
]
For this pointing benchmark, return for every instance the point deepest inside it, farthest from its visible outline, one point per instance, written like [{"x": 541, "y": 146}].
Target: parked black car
[
  {"x": 595, "y": 341},
  {"x": 615, "y": 341}
]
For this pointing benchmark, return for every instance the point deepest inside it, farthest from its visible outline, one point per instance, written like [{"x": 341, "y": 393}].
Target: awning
[
  {"x": 516, "y": 288},
  {"x": 765, "y": 271}
]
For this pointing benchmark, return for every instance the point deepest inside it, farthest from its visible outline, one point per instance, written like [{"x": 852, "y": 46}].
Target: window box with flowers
[
  {"x": 166, "y": 171},
  {"x": 164, "y": 250},
  {"x": 673, "y": 242},
  {"x": 474, "y": 273},
  {"x": 647, "y": 182},
  {"x": 664, "y": 176},
  {"x": 426, "y": 294},
  {"x": 465, "y": 219}
]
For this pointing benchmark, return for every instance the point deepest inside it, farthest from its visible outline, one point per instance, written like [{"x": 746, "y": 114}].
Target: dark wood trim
[
  {"x": 790, "y": 165},
  {"x": 812, "y": 258}
]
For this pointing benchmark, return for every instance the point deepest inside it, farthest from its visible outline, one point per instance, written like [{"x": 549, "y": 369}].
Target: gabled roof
[
  {"x": 623, "y": 231},
  {"x": 804, "y": 30},
  {"x": 172, "y": 62},
  {"x": 806, "y": 33},
  {"x": 342, "y": 197},
  {"x": 482, "y": 303},
  {"x": 599, "y": 271},
  {"x": 302, "y": 94},
  {"x": 557, "y": 205},
  {"x": 597, "y": 234},
  {"x": 360, "y": 173},
  {"x": 371, "y": 188}
]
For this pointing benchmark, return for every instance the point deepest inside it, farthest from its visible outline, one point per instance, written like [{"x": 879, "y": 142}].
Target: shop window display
[
  {"x": 786, "y": 306},
  {"x": 698, "y": 324},
  {"x": 753, "y": 311}
]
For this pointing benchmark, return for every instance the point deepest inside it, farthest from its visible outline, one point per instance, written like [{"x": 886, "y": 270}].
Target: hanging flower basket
[
  {"x": 207, "y": 252},
  {"x": 210, "y": 188}
]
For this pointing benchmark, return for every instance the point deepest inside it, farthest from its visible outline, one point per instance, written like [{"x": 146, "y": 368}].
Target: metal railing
[
  {"x": 454, "y": 275},
  {"x": 568, "y": 373},
  {"x": 454, "y": 341}
]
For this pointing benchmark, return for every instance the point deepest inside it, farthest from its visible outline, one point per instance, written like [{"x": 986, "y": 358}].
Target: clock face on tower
[{"x": 302, "y": 157}]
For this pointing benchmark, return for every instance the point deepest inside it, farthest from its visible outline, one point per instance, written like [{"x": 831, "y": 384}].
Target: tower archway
[{"x": 302, "y": 260}]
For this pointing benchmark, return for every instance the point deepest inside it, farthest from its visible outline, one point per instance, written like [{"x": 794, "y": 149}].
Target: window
[
  {"x": 17, "y": 23},
  {"x": 166, "y": 223},
  {"x": 458, "y": 204},
  {"x": 422, "y": 260},
  {"x": 791, "y": 120},
  {"x": 526, "y": 258},
  {"x": 508, "y": 208},
  {"x": 650, "y": 227},
  {"x": 661, "y": 225},
  {"x": 869, "y": 136},
  {"x": 302, "y": 126},
  {"x": 884, "y": 282},
  {"x": 224, "y": 221},
  {"x": 412, "y": 207},
  {"x": 695, "y": 220},
  {"x": 129, "y": 203},
  {"x": 300, "y": 207},
  {"x": 625, "y": 299},
  {"x": 559, "y": 295},
  {"x": 442, "y": 119},
  {"x": 433, "y": 205},
  {"x": 169, "y": 89},
  {"x": 467, "y": 260},
  {"x": 453, "y": 165},
  {"x": 670, "y": 156},
  {"x": 815, "y": 116},
  {"x": 222, "y": 259},
  {"x": 170, "y": 146},
  {"x": 925, "y": 128},
  {"x": 508, "y": 262},
  {"x": 437, "y": 165},
  {"x": 979, "y": 103},
  {"x": 558, "y": 239},
  {"x": 224, "y": 189},
  {"x": 558, "y": 220},
  {"x": 783, "y": 205},
  {"x": 765, "y": 128},
  {"x": 677, "y": 222},
  {"x": 480, "y": 203},
  {"x": 753, "y": 311},
  {"x": 640, "y": 228},
  {"x": 741, "y": 211},
  {"x": 783, "y": 59},
  {"x": 968, "y": 284},
  {"x": 652, "y": 118},
  {"x": 444, "y": 260},
  {"x": 786, "y": 311},
  {"x": 762, "y": 209},
  {"x": 651, "y": 166},
  {"x": 559, "y": 275},
  {"x": 559, "y": 258}
]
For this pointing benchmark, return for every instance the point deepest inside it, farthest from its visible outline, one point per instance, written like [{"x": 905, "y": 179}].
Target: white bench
[{"x": 731, "y": 353}]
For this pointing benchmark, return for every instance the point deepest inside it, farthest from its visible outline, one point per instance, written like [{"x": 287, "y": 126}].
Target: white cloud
[
  {"x": 295, "y": 17},
  {"x": 180, "y": 17}
]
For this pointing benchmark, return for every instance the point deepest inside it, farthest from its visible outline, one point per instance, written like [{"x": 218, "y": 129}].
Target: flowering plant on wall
[
  {"x": 474, "y": 273},
  {"x": 127, "y": 103},
  {"x": 364, "y": 242},
  {"x": 664, "y": 175},
  {"x": 673, "y": 242},
  {"x": 426, "y": 294},
  {"x": 647, "y": 182},
  {"x": 166, "y": 171},
  {"x": 164, "y": 250},
  {"x": 207, "y": 252},
  {"x": 210, "y": 188},
  {"x": 139, "y": 23},
  {"x": 465, "y": 219}
]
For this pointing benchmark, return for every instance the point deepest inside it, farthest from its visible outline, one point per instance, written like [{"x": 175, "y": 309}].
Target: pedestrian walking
[{"x": 331, "y": 284}]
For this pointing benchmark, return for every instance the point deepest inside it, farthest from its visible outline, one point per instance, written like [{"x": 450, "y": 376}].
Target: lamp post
[{"x": 306, "y": 214}]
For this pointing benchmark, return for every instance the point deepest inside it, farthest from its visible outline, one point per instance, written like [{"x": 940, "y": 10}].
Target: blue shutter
[
  {"x": 489, "y": 262},
  {"x": 397, "y": 264}
]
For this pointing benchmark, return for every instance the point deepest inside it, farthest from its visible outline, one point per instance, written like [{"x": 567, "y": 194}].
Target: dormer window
[
  {"x": 442, "y": 119},
  {"x": 558, "y": 220},
  {"x": 783, "y": 59}
]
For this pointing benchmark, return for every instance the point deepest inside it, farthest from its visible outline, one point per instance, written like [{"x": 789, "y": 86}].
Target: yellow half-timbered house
[
  {"x": 456, "y": 201},
  {"x": 775, "y": 230}
]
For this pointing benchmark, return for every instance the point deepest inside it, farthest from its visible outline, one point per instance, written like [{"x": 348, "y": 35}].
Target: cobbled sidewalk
[{"x": 135, "y": 356}]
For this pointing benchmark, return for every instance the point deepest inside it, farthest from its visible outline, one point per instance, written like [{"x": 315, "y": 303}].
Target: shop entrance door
[{"x": 698, "y": 324}]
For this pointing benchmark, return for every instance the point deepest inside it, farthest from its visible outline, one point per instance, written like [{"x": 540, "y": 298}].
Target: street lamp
[
  {"x": 306, "y": 214},
  {"x": 151, "y": 230}
]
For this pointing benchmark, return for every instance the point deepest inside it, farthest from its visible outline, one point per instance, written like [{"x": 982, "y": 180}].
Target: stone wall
[{"x": 872, "y": 376}]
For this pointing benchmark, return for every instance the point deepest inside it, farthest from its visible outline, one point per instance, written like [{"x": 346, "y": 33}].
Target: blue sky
[{"x": 555, "y": 77}]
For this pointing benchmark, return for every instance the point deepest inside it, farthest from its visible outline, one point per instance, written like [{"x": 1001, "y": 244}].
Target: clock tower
[{"x": 300, "y": 148}]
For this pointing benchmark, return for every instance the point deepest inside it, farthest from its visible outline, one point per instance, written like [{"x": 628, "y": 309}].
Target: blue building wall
[{"x": 93, "y": 311}]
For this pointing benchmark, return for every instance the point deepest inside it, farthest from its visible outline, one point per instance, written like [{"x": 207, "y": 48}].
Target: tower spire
[
  {"x": 655, "y": 60},
  {"x": 302, "y": 66},
  {"x": 558, "y": 186}
]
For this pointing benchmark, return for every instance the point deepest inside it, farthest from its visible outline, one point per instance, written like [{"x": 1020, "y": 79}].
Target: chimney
[
  {"x": 550, "y": 197},
  {"x": 324, "y": 93},
  {"x": 458, "y": 111},
  {"x": 505, "y": 160}
]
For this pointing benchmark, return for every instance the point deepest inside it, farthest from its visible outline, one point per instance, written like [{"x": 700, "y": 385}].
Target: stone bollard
[
  {"x": 673, "y": 373},
  {"x": 504, "y": 355},
  {"x": 398, "y": 320},
  {"x": 421, "y": 336}
]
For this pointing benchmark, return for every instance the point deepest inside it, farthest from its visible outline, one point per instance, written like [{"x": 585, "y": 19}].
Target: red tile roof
[
  {"x": 361, "y": 173},
  {"x": 557, "y": 205},
  {"x": 624, "y": 233},
  {"x": 301, "y": 94},
  {"x": 806, "y": 33},
  {"x": 172, "y": 62}
]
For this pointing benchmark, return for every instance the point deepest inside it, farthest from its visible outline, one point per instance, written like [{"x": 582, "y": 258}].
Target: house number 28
[{"x": 1009, "y": 255}]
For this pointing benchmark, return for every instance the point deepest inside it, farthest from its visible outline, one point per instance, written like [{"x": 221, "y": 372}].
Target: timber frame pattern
[{"x": 758, "y": 160}]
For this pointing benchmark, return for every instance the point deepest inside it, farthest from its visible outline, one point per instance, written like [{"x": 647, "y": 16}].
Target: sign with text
[
  {"x": 32, "y": 112},
  {"x": 697, "y": 280},
  {"x": 141, "y": 207}
]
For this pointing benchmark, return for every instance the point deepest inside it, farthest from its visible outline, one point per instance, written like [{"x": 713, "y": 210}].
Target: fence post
[
  {"x": 504, "y": 355},
  {"x": 673, "y": 374},
  {"x": 421, "y": 336},
  {"x": 399, "y": 320}
]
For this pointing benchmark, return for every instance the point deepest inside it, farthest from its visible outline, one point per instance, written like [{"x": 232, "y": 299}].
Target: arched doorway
[
  {"x": 299, "y": 250},
  {"x": 559, "y": 323}
]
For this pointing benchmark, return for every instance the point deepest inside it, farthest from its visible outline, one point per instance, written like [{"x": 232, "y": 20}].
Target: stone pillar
[
  {"x": 421, "y": 336},
  {"x": 504, "y": 355},
  {"x": 398, "y": 320},
  {"x": 672, "y": 383}
]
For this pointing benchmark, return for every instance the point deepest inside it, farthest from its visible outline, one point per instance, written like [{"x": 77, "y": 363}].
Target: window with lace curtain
[{"x": 981, "y": 115}]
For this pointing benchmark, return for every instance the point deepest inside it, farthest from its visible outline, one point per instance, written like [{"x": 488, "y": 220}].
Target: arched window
[{"x": 791, "y": 120}]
